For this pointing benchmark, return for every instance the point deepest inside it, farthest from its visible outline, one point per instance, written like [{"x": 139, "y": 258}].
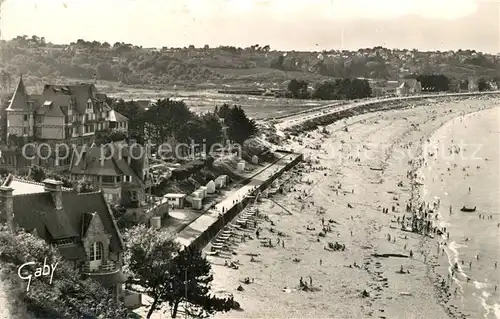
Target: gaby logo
[{"x": 45, "y": 270}]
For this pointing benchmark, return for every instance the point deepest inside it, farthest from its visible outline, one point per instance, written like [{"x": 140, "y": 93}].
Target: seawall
[
  {"x": 214, "y": 228},
  {"x": 373, "y": 106},
  {"x": 356, "y": 104}
]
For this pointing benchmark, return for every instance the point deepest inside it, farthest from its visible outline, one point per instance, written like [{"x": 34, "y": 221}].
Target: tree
[
  {"x": 70, "y": 295},
  {"x": 149, "y": 257},
  {"x": 434, "y": 82},
  {"x": 464, "y": 85},
  {"x": 36, "y": 173},
  {"x": 325, "y": 91},
  {"x": 212, "y": 130},
  {"x": 84, "y": 186},
  {"x": 240, "y": 127},
  {"x": 166, "y": 117},
  {"x": 483, "y": 85},
  {"x": 169, "y": 274},
  {"x": 298, "y": 89},
  {"x": 105, "y": 72},
  {"x": 135, "y": 115},
  {"x": 191, "y": 280},
  {"x": 343, "y": 89},
  {"x": 108, "y": 136},
  {"x": 277, "y": 63}
]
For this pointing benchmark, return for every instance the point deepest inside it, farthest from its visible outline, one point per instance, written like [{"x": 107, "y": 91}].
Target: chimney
[
  {"x": 7, "y": 206},
  {"x": 55, "y": 188}
]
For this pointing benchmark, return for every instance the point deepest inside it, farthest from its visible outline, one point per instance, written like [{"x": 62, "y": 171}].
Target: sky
[{"x": 311, "y": 25}]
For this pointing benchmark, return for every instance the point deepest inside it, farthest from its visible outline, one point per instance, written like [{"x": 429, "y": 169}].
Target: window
[
  {"x": 89, "y": 105},
  {"x": 108, "y": 179},
  {"x": 26, "y": 117},
  {"x": 25, "y": 130},
  {"x": 96, "y": 251},
  {"x": 67, "y": 241}
]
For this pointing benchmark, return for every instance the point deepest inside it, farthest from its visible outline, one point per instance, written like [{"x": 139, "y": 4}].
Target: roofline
[{"x": 115, "y": 225}]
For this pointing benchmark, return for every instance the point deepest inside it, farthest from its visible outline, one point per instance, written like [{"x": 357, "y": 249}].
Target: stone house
[
  {"x": 119, "y": 169},
  {"x": 409, "y": 85},
  {"x": 81, "y": 226}
]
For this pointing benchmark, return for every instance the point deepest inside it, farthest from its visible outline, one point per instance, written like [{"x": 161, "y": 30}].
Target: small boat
[{"x": 467, "y": 209}]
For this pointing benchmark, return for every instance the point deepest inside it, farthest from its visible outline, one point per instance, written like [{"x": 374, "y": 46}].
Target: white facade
[
  {"x": 175, "y": 200},
  {"x": 210, "y": 187}
]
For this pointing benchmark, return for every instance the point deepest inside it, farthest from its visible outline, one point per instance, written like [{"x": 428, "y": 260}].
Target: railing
[
  {"x": 110, "y": 184},
  {"x": 108, "y": 267}
]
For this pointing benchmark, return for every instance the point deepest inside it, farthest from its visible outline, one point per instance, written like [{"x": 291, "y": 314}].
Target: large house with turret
[{"x": 64, "y": 114}]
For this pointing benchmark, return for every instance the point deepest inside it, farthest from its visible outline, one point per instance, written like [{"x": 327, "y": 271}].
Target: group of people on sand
[{"x": 483, "y": 216}]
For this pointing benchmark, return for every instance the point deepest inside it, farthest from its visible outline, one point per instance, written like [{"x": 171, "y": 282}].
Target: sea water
[{"x": 474, "y": 242}]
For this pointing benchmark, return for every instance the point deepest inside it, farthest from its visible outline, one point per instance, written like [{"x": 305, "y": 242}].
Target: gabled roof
[
  {"x": 58, "y": 105},
  {"x": 107, "y": 160},
  {"x": 116, "y": 117},
  {"x": 37, "y": 211},
  {"x": 81, "y": 93},
  {"x": 404, "y": 85},
  {"x": 19, "y": 101},
  {"x": 90, "y": 163}
]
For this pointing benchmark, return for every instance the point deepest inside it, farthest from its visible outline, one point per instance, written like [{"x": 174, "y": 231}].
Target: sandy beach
[{"x": 329, "y": 224}]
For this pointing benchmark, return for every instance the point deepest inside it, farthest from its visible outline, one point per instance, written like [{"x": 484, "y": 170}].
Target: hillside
[{"x": 126, "y": 64}]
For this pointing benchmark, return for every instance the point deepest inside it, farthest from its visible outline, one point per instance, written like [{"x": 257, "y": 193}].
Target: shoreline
[
  {"x": 464, "y": 297},
  {"x": 339, "y": 297}
]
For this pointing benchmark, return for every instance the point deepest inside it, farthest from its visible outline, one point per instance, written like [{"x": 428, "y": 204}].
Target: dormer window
[
  {"x": 66, "y": 241},
  {"x": 89, "y": 105}
]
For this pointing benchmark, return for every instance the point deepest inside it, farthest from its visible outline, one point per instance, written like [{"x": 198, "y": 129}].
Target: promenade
[
  {"x": 302, "y": 117},
  {"x": 233, "y": 198}
]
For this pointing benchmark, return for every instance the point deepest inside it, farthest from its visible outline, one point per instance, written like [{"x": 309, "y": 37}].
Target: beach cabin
[
  {"x": 175, "y": 200},
  {"x": 210, "y": 187},
  {"x": 197, "y": 194},
  {"x": 197, "y": 203},
  {"x": 255, "y": 159},
  {"x": 221, "y": 181},
  {"x": 241, "y": 166},
  {"x": 204, "y": 190}
]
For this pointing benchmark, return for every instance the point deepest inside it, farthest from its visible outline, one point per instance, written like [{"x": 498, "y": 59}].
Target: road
[{"x": 296, "y": 119}]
